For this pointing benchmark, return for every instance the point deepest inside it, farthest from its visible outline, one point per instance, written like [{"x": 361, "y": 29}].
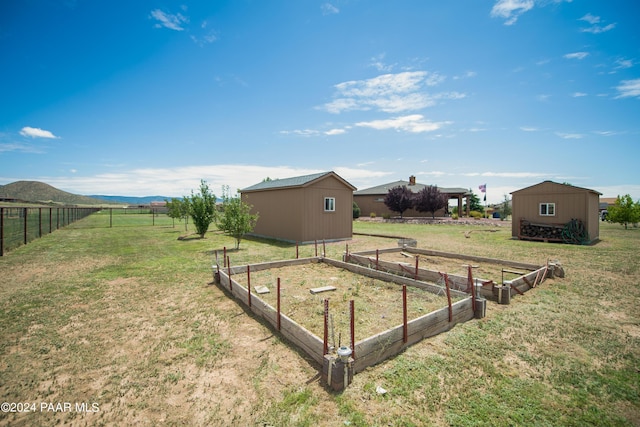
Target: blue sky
[{"x": 148, "y": 97}]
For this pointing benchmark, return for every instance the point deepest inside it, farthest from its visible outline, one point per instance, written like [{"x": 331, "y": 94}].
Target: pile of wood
[{"x": 545, "y": 232}]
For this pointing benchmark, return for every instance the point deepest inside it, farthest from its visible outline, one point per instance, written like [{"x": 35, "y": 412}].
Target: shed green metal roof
[{"x": 296, "y": 181}]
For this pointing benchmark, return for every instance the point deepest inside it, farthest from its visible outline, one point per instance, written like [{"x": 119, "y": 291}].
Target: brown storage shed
[
  {"x": 552, "y": 205},
  {"x": 303, "y": 209}
]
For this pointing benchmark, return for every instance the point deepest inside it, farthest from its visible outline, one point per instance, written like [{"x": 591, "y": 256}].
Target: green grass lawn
[{"x": 126, "y": 318}]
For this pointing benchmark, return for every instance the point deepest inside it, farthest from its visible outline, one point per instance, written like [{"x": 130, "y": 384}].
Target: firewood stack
[{"x": 546, "y": 232}]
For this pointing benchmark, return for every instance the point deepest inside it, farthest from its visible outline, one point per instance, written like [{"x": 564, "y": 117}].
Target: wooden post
[
  {"x": 415, "y": 277},
  {"x": 50, "y": 213},
  {"x": 224, "y": 256},
  {"x": 39, "y": 222},
  {"x": 326, "y": 327},
  {"x": 352, "y": 312},
  {"x": 316, "y": 243},
  {"x": 377, "y": 258},
  {"x": 110, "y": 218},
  {"x": 249, "y": 285},
  {"x": 297, "y": 250},
  {"x": 324, "y": 250},
  {"x": 404, "y": 314},
  {"x": 278, "y": 303}
]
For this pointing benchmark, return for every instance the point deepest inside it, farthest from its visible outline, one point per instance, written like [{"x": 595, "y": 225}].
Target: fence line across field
[{"x": 20, "y": 225}]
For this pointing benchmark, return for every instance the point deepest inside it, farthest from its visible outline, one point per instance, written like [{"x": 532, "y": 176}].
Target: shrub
[
  {"x": 356, "y": 210},
  {"x": 373, "y": 215},
  {"x": 475, "y": 214}
]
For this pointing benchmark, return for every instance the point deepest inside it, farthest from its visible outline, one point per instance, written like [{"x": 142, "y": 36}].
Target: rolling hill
[{"x": 39, "y": 192}]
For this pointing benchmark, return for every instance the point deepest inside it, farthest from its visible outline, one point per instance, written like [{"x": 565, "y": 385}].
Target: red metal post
[
  {"x": 40, "y": 222},
  {"x": 326, "y": 326},
  {"x": 473, "y": 288},
  {"x": 446, "y": 283},
  {"x": 278, "y": 303},
  {"x": 352, "y": 311},
  {"x": 416, "y": 275},
  {"x": 229, "y": 273},
  {"x": 50, "y": 213},
  {"x": 404, "y": 314},
  {"x": 249, "y": 285},
  {"x": 224, "y": 256}
]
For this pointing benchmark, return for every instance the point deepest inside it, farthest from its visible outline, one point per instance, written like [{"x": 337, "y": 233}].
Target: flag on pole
[{"x": 483, "y": 188}]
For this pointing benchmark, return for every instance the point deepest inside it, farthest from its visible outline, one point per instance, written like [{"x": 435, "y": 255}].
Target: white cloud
[
  {"x": 300, "y": 132},
  {"x": 18, "y": 147},
  {"x": 168, "y": 20},
  {"x": 378, "y": 64},
  {"x": 528, "y": 129},
  {"x": 414, "y": 123},
  {"x": 594, "y": 28},
  {"x": 622, "y": 64},
  {"x": 37, "y": 133},
  {"x": 590, "y": 19},
  {"x": 629, "y": 89},
  {"x": 570, "y": 135},
  {"x": 576, "y": 55},
  {"x": 578, "y": 94},
  {"x": 329, "y": 9},
  {"x": 335, "y": 132},
  {"x": 390, "y": 93},
  {"x": 179, "y": 181},
  {"x": 511, "y": 9}
]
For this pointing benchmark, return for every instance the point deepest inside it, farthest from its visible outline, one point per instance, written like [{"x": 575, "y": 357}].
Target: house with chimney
[{"x": 371, "y": 200}]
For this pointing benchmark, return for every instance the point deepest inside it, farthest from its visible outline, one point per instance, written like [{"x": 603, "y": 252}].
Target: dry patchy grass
[{"x": 127, "y": 318}]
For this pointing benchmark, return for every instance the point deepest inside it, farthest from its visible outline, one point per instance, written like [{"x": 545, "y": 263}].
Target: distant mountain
[
  {"x": 133, "y": 200},
  {"x": 39, "y": 192}
]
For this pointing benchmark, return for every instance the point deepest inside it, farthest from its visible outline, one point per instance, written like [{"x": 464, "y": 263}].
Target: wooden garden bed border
[
  {"x": 500, "y": 292},
  {"x": 368, "y": 351}
]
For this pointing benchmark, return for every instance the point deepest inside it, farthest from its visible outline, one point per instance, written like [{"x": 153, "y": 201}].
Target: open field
[{"x": 125, "y": 318}]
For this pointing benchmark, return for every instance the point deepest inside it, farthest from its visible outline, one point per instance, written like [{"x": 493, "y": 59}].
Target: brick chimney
[{"x": 412, "y": 180}]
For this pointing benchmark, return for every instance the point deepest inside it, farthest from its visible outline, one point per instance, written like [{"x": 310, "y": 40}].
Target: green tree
[
  {"x": 178, "y": 209},
  {"x": 356, "y": 210},
  {"x": 474, "y": 203},
  {"x": 625, "y": 211},
  {"x": 236, "y": 219},
  {"x": 505, "y": 208},
  {"x": 202, "y": 208}
]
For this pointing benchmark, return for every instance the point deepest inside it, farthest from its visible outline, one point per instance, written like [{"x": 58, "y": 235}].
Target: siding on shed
[
  {"x": 297, "y": 214},
  {"x": 570, "y": 202}
]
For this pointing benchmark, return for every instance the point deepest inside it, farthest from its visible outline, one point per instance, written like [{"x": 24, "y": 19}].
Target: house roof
[
  {"x": 384, "y": 189},
  {"x": 296, "y": 181},
  {"x": 557, "y": 183}
]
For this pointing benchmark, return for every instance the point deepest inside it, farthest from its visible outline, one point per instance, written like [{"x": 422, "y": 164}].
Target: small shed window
[
  {"x": 547, "y": 209},
  {"x": 329, "y": 204}
]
